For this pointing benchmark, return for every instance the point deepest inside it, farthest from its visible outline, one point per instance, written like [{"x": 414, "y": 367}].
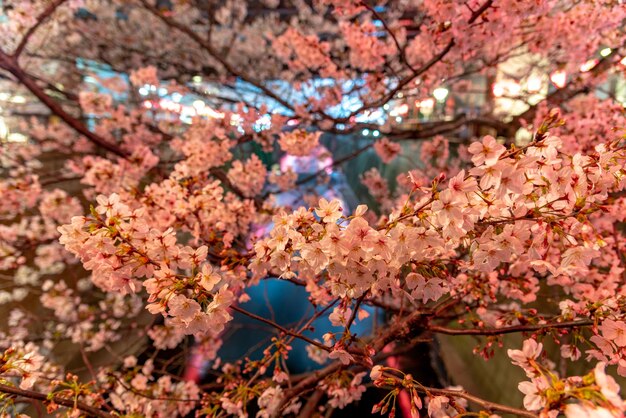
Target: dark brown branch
[
  {"x": 428, "y": 130},
  {"x": 393, "y": 36},
  {"x": 508, "y": 330},
  {"x": 29, "y": 394},
  {"x": 280, "y": 328},
  {"x": 40, "y": 20},
  {"x": 215, "y": 54},
  {"x": 223, "y": 177},
  {"x": 10, "y": 64},
  {"x": 427, "y": 66},
  {"x": 478, "y": 12},
  {"x": 310, "y": 407},
  {"x": 490, "y": 406}
]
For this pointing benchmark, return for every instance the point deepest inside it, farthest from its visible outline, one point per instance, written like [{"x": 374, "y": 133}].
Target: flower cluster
[
  {"x": 119, "y": 248},
  {"x": 299, "y": 142},
  {"x": 595, "y": 394}
]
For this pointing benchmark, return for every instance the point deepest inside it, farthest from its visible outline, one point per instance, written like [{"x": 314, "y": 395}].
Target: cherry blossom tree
[{"x": 128, "y": 232}]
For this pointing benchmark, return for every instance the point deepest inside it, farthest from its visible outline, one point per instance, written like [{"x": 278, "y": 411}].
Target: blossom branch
[
  {"x": 427, "y": 66},
  {"x": 211, "y": 50},
  {"x": 489, "y": 406},
  {"x": 30, "y": 394},
  {"x": 40, "y": 20},
  {"x": 393, "y": 36},
  {"x": 509, "y": 330},
  {"x": 11, "y": 65}
]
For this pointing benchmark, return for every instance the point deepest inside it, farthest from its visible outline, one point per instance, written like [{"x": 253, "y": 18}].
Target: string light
[
  {"x": 588, "y": 66},
  {"x": 606, "y": 52}
]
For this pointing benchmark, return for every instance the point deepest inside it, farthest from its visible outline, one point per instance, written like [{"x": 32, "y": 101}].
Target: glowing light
[
  {"x": 386, "y": 106},
  {"x": 427, "y": 104},
  {"x": 365, "y": 132},
  {"x": 400, "y": 95},
  {"x": 197, "y": 79},
  {"x": 235, "y": 119},
  {"x": 177, "y": 97},
  {"x": 147, "y": 104},
  {"x": 559, "y": 78},
  {"x": 533, "y": 84},
  {"x": 198, "y": 105},
  {"x": 211, "y": 113},
  {"x": 398, "y": 119},
  {"x": 514, "y": 88},
  {"x": 506, "y": 87},
  {"x": 143, "y": 91},
  {"x": 376, "y": 134},
  {"x": 523, "y": 136},
  {"x": 162, "y": 91},
  {"x": 263, "y": 123},
  {"x": 198, "y": 108},
  {"x": 170, "y": 106},
  {"x": 623, "y": 61},
  {"x": 187, "y": 113},
  {"x": 18, "y": 99},
  {"x": 588, "y": 65},
  {"x": 606, "y": 52},
  {"x": 403, "y": 109},
  {"x": 4, "y": 130},
  {"x": 4, "y": 96},
  {"x": 17, "y": 137},
  {"x": 440, "y": 93}
]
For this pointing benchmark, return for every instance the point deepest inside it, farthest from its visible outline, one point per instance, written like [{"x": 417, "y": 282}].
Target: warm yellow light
[
  {"x": 588, "y": 66},
  {"x": 16, "y": 137}
]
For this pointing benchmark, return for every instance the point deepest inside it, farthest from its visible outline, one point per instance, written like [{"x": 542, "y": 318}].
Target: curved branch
[
  {"x": 40, "y": 20},
  {"x": 10, "y": 64},
  {"x": 393, "y": 36},
  {"x": 61, "y": 401},
  {"x": 211, "y": 50},
  {"x": 427, "y": 66}
]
